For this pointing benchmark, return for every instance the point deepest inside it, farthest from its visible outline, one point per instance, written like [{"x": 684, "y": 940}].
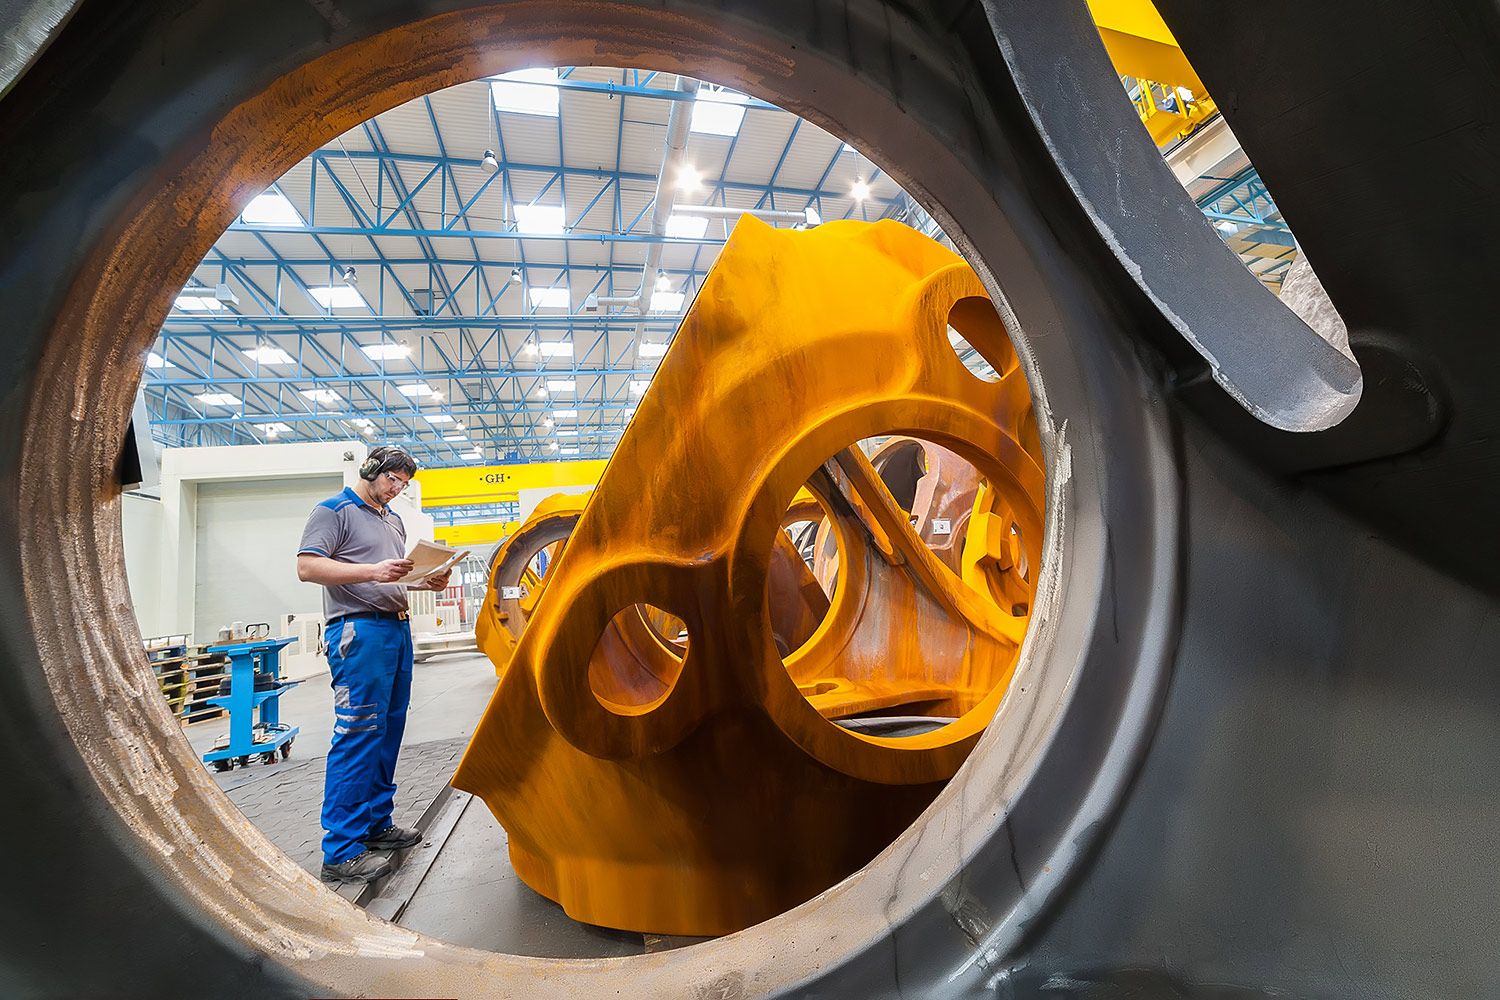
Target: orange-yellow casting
[{"x": 697, "y": 787}]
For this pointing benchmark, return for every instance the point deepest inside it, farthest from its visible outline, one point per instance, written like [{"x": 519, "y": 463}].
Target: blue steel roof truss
[{"x": 463, "y": 334}]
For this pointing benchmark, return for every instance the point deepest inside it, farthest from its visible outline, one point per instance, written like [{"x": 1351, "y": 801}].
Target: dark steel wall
[{"x": 1312, "y": 811}]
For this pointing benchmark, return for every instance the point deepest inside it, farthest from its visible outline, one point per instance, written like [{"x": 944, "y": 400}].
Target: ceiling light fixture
[
  {"x": 663, "y": 283},
  {"x": 860, "y": 191},
  {"x": 515, "y": 275},
  {"x": 385, "y": 352},
  {"x": 489, "y": 160},
  {"x": 688, "y": 178},
  {"x": 350, "y": 278}
]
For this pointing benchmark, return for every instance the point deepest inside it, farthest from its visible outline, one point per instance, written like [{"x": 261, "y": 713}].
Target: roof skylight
[
  {"x": 323, "y": 396},
  {"x": 667, "y": 301},
  {"x": 196, "y": 301},
  {"x": 337, "y": 296},
  {"x": 549, "y": 298},
  {"x": 217, "y": 399},
  {"x": 687, "y": 227},
  {"x": 649, "y": 350},
  {"x": 556, "y": 348},
  {"x": 565, "y": 414},
  {"x": 526, "y": 92},
  {"x": 562, "y": 385},
  {"x": 271, "y": 208},
  {"x": 386, "y": 352},
  {"x": 154, "y": 360},
  {"x": 567, "y": 451},
  {"x": 414, "y": 389},
  {"x": 540, "y": 220},
  {"x": 437, "y": 418},
  {"x": 718, "y": 111},
  {"x": 266, "y": 355}
]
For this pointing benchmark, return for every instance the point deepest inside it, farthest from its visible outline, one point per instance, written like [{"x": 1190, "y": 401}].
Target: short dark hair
[{"x": 393, "y": 459}]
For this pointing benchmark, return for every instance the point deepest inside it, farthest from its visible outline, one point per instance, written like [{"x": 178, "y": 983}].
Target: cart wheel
[
  {"x": 223, "y": 765},
  {"x": 242, "y": 761},
  {"x": 286, "y": 749},
  {"x": 269, "y": 757}
]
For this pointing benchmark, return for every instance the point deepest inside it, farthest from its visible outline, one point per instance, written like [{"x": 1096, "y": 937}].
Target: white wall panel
[
  {"x": 246, "y": 552},
  {"x": 141, "y": 519}
]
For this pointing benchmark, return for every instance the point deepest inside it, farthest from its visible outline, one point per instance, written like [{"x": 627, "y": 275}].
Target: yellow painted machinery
[{"x": 681, "y": 739}]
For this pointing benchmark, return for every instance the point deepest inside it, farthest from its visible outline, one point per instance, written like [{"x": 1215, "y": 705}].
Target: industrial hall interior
[{"x": 736, "y": 498}]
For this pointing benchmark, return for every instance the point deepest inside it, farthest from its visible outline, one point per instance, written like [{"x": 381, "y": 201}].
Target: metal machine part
[
  {"x": 1306, "y": 809},
  {"x": 597, "y": 732}
]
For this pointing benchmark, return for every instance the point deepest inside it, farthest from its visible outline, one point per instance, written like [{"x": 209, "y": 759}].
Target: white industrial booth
[{"x": 219, "y": 542}]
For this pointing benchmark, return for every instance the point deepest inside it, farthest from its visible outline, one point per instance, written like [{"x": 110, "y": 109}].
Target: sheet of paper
[{"x": 430, "y": 559}]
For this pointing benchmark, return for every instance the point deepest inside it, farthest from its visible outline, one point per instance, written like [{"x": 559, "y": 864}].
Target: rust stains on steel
[{"x": 662, "y": 747}]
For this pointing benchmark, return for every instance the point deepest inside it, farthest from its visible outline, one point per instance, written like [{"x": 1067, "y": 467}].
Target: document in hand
[{"x": 430, "y": 559}]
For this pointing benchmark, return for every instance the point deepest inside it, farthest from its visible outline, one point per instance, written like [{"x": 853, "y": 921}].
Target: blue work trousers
[{"x": 370, "y": 659}]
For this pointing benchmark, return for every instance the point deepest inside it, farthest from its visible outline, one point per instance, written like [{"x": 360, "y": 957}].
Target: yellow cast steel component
[
  {"x": 514, "y": 584},
  {"x": 700, "y": 794}
]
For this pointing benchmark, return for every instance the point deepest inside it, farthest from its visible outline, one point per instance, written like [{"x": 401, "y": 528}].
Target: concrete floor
[{"x": 470, "y": 895}]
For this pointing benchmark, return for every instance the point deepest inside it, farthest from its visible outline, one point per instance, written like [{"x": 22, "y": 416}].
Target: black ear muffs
[
  {"x": 372, "y": 464},
  {"x": 382, "y": 457}
]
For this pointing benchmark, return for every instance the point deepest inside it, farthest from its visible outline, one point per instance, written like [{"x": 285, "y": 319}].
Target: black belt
[{"x": 392, "y": 615}]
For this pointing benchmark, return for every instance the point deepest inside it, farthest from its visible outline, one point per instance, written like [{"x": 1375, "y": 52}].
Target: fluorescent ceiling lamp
[
  {"x": 567, "y": 434},
  {"x": 154, "y": 360},
  {"x": 271, "y": 209},
  {"x": 646, "y": 350},
  {"x": 337, "y": 296},
  {"x": 542, "y": 220},
  {"x": 718, "y": 112},
  {"x": 386, "y": 352},
  {"x": 556, "y": 348},
  {"x": 567, "y": 451},
  {"x": 526, "y": 92},
  {"x": 414, "y": 389},
  {"x": 217, "y": 399},
  {"x": 667, "y": 301},
  {"x": 638, "y": 386},
  {"x": 268, "y": 355},
  {"x": 325, "y": 396},
  {"x": 549, "y": 298},
  {"x": 565, "y": 414},
  {"x": 196, "y": 301},
  {"x": 687, "y": 227},
  {"x": 561, "y": 385},
  {"x": 271, "y": 430},
  {"x": 437, "y": 418}
]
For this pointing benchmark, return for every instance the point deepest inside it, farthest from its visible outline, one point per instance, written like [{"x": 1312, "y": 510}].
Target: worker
[{"x": 355, "y": 546}]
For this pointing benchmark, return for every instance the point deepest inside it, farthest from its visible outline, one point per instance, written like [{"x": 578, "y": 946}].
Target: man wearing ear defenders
[{"x": 355, "y": 546}]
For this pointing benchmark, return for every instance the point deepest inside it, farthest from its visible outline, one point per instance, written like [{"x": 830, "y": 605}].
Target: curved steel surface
[
  {"x": 1306, "y": 809},
  {"x": 27, "y": 27}
]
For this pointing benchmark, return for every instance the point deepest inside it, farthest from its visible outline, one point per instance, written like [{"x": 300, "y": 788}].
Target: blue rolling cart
[{"x": 255, "y": 726}]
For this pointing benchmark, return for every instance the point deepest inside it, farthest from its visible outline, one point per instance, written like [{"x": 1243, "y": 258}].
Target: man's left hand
[{"x": 439, "y": 582}]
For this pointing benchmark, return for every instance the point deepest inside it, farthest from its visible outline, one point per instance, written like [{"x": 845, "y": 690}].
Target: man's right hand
[{"x": 389, "y": 570}]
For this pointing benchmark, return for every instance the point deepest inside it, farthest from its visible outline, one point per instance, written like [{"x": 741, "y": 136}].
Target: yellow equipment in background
[{"x": 1163, "y": 85}]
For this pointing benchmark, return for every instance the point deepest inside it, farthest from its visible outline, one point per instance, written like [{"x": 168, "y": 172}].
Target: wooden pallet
[{"x": 187, "y": 676}]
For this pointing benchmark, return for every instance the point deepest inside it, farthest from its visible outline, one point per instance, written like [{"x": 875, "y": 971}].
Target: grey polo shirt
[{"x": 349, "y": 530}]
